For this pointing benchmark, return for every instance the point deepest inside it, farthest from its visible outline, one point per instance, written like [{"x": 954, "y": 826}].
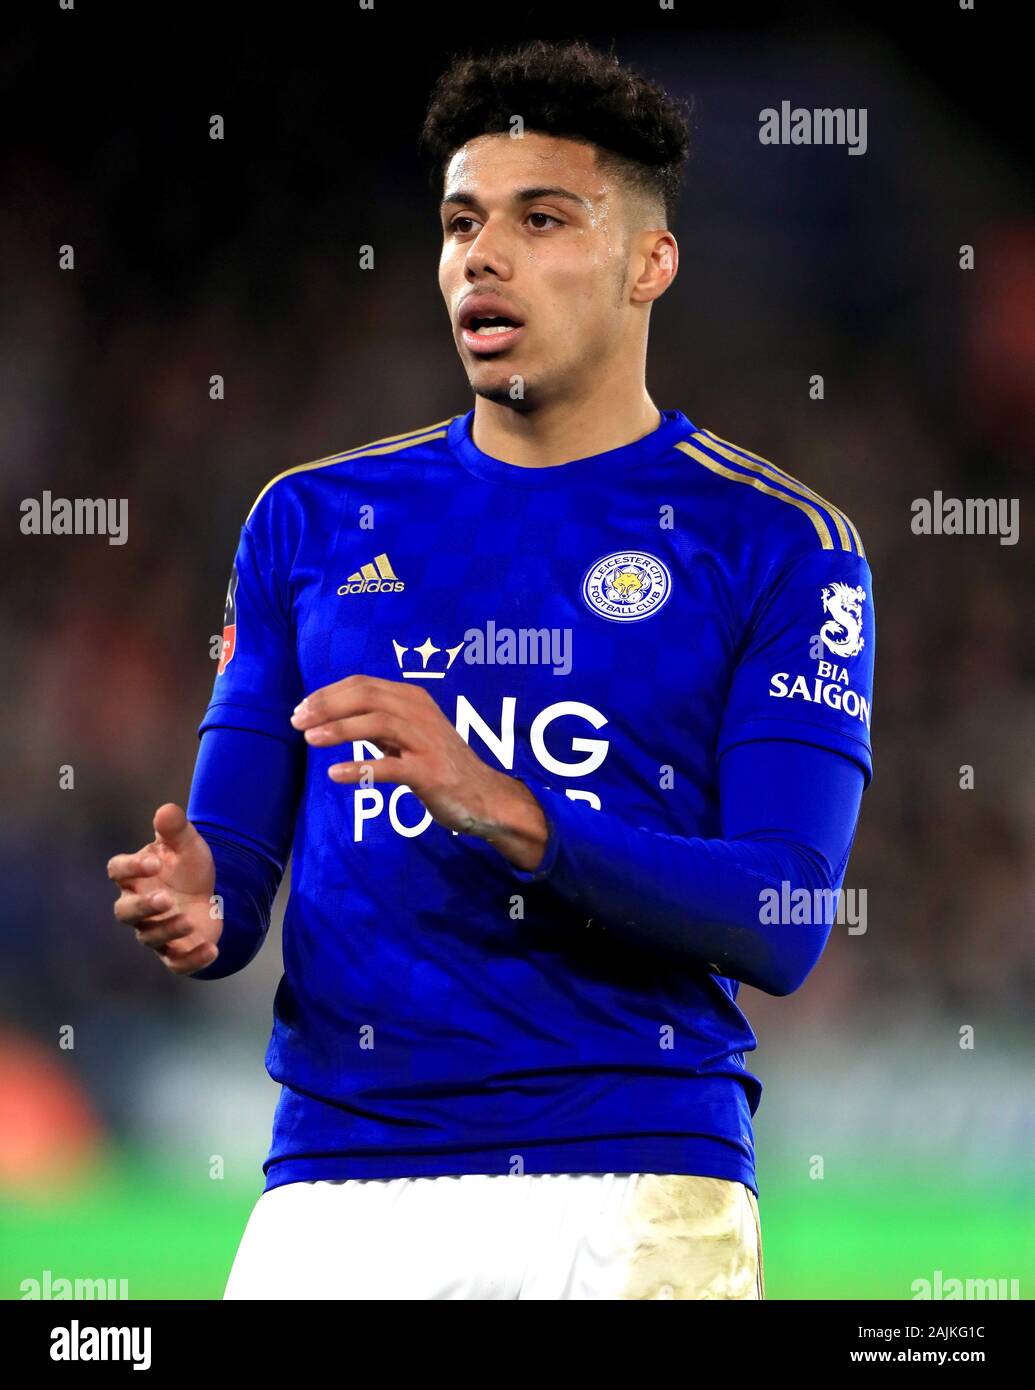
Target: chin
[
  {"x": 498, "y": 389},
  {"x": 500, "y": 395}
]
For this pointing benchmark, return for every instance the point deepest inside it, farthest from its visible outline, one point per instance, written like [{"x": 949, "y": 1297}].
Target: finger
[
  {"x": 375, "y": 770},
  {"x": 172, "y": 828},
  {"x": 384, "y": 731},
  {"x": 143, "y": 864},
  {"x": 355, "y": 695},
  {"x": 137, "y": 907},
  {"x": 185, "y": 963},
  {"x": 173, "y": 929}
]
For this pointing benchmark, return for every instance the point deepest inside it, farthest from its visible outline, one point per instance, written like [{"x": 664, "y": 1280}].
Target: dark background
[{"x": 240, "y": 257}]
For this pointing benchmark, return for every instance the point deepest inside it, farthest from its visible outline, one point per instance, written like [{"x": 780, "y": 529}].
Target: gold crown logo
[{"x": 425, "y": 651}]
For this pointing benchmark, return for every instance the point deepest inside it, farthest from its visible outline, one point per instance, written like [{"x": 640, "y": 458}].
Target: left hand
[{"x": 424, "y": 752}]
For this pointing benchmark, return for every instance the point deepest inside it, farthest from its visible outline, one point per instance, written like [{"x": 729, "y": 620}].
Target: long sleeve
[
  {"x": 250, "y": 766},
  {"x": 243, "y": 801},
  {"x": 789, "y": 812}
]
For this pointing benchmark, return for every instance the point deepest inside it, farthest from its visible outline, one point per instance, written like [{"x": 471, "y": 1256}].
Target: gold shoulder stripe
[
  {"x": 817, "y": 518},
  {"x": 768, "y": 470},
  {"x": 388, "y": 445},
  {"x": 841, "y": 519},
  {"x": 409, "y": 435}
]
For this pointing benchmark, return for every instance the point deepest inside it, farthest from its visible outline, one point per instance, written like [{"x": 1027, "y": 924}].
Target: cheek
[
  {"x": 449, "y": 268},
  {"x": 571, "y": 317},
  {"x": 571, "y": 292},
  {"x": 594, "y": 298}
]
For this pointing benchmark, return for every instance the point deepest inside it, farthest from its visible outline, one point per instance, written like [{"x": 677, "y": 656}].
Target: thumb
[{"x": 172, "y": 826}]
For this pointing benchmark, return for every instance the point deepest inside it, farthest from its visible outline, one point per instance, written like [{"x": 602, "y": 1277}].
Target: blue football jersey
[{"x": 605, "y": 630}]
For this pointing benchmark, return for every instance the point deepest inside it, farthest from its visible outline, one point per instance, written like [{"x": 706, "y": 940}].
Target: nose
[{"x": 488, "y": 254}]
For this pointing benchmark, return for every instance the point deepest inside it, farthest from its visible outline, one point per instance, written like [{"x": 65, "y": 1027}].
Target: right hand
[{"x": 167, "y": 890}]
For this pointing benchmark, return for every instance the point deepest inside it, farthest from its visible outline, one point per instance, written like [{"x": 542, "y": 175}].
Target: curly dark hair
[{"x": 569, "y": 89}]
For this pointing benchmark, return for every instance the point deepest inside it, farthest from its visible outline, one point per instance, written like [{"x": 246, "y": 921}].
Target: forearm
[
  {"x": 246, "y": 885},
  {"x": 789, "y": 817},
  {"x": 243, "y": 802}
]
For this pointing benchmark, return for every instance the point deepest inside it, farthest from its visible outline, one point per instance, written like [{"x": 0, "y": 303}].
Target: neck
[{"x": 560, "y": 431}]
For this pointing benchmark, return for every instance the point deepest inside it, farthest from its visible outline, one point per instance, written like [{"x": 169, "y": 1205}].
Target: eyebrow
[{"x": 462, "y": 198}]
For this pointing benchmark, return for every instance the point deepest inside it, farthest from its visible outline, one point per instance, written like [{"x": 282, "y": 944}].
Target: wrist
[{"x": 513, "y": 823}]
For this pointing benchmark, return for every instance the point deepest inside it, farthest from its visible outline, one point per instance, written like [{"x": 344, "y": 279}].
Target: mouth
[{"x": 487, "y": 328}]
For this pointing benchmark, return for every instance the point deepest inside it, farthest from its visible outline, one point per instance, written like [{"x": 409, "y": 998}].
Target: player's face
[{"x": 535, "y": 265}]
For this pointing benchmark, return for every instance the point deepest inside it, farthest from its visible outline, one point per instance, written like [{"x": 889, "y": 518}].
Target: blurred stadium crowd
[{"x": 794, "y": 263}]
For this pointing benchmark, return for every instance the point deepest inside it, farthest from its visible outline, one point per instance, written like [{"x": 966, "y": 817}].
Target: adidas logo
[{"x": 378, "y": 578}]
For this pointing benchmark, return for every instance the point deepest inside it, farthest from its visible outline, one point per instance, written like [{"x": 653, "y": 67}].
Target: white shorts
[{"x": 476, "y": 1236}]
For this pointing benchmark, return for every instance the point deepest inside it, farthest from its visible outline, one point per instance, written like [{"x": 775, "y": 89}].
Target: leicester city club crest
[{"x": 626, "y": 586}]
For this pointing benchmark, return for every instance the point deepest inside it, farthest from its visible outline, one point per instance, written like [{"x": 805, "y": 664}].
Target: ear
[{"x": 659, "y": 263}]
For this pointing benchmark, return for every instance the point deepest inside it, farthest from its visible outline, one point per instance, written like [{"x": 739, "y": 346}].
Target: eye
[
  {"x": 454, "y": 226},
  {"x": 547, "y": 217}
]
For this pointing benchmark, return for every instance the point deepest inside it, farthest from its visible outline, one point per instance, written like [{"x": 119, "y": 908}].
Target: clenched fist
[{"x": 167, "y": 893}]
